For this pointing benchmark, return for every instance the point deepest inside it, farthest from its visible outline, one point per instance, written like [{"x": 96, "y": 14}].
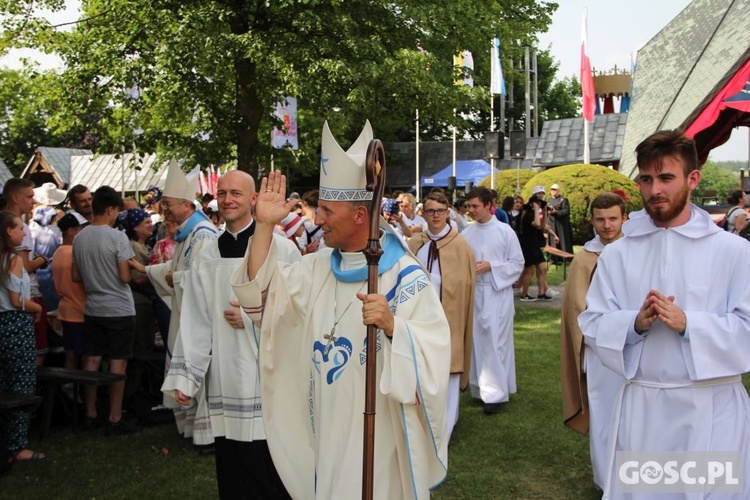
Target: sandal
[{"x": 35, "y": 455}]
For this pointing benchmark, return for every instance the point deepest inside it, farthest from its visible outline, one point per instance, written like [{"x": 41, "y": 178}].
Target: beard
[{"x": 671, "y": 209}]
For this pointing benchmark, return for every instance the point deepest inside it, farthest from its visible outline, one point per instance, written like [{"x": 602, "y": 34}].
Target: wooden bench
[
  {"x": 52, "y": 377},
  {"x": 565, "y": 256},
  {"x": 18, "y": 402}
]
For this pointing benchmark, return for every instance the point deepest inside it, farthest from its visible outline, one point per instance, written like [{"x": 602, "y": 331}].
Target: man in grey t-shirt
[{"x": 100, "y": 261}]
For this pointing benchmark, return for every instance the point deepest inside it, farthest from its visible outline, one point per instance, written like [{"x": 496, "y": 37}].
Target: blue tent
[{"x": 466, "y": 171}]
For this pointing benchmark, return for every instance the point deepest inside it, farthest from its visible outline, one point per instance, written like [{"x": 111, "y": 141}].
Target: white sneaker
[{"x": 552, "y": 293}]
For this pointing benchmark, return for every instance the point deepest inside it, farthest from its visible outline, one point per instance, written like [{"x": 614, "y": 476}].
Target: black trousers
[{"x": 245, "y": 470}]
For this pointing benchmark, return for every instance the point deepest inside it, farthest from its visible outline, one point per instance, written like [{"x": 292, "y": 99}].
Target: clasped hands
[{"x": 657, "y": 306}]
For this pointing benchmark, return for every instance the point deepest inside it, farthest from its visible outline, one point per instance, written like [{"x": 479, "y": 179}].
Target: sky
[{"x": 615, "y": 33}]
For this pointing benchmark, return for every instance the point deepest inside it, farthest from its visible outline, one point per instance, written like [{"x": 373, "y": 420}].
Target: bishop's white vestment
[
  {"x": 683, "y": 392},
  {"x": 210, "y": 352},
  {"x": 313, "y": 391},
  {"x": 493, "y": 367},
  {"x": 191, "y": 236}
]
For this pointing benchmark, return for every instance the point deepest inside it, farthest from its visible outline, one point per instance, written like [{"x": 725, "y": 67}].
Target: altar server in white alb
[
  {"x": 499, "y": 264},
  {"x": 312, "y": 349},
  {"x": 669, "y": 310},
  {"x": 195, "y": 230},
  {"x": 218, "y": 350},
  {"x": 589, "y": 388}
]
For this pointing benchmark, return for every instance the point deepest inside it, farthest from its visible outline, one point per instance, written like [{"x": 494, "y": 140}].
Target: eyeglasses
[{"x": 439, "y": 211}]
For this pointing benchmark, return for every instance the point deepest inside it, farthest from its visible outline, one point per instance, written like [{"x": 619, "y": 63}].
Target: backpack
[
  {"x": 745, "y": 231},
  {"x": 724, "y": 223}
]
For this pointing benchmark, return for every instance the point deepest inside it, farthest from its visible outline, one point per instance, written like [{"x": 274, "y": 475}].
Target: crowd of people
[{"x": 260, "y": 302}]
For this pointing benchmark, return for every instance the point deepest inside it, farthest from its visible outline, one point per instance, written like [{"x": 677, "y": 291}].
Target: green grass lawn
[{"x": 522, "y": 452}]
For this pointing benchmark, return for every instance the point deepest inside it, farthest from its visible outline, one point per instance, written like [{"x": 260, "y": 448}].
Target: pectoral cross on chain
[{"x": 331, "y": 338}]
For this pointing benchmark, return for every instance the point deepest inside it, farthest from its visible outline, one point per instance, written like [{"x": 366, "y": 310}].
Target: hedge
[
  {"x": 506, "y": 180},
  {"x": 580, "y": 183}
]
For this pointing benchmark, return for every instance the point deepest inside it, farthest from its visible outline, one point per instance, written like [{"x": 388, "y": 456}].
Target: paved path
[{"x": 556, "y": 303}]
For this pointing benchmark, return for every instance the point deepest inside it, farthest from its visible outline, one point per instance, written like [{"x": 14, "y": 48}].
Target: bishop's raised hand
[{"x": 271, "y": 206}]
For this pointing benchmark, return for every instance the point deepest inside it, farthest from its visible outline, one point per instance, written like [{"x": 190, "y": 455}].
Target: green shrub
[
  {"x": 506, "y": 180},
  {"x": 580, "y": 183}
]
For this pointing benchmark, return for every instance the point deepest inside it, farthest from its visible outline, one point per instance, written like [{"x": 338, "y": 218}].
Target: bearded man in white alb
[{"x": 669, "y": 310}]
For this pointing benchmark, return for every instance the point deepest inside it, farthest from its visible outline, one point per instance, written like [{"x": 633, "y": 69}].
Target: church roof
[
  {"x": 680, "y": 69},
  {"x": 55, "y": 161},
  {"x": 107, "y": 170},
  {"x": 561, "y": 141}
]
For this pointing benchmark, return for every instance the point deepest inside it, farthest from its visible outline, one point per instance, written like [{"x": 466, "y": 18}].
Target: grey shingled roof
[
  {"x": 57, "y": 158},
  {"x": 561, "y": 141},
  {"x": 5, "y": 173},
  {"x": 106, "y": 170},
  {"x": 680, "y": 70}
]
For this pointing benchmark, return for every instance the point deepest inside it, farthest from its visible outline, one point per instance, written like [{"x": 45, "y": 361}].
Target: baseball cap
[
  {"x": 555, "y": 186},
  {"x": 70, "y": 220}
]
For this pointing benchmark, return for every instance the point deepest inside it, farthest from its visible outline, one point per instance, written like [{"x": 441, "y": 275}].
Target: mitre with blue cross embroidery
[{"x": 342, "y": 173}]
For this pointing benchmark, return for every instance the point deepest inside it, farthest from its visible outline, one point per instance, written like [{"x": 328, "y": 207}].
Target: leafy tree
[
  {"x": 733, "y": 165},
  {"x": 714, "y": 177},
  {"x": 557, "y": 98},
  {"x": 211, "y": 71},
  {"x": 23, "y": 116}
]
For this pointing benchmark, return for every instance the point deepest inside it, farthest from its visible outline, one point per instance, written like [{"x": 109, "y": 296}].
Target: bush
[
  {"x": 580, "y": 183},
  {"x": 506, "y": 180}
]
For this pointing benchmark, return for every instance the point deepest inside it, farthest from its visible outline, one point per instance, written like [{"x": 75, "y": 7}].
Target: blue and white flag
[{"x": 498, "y": 82}]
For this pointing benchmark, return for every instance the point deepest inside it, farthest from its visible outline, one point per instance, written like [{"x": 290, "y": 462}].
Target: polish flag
[{"x": 587, "y": 79}]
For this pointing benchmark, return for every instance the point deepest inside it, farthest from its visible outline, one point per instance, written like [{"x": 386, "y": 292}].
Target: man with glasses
[
  {"x": 499, "y": 262},
  {"x": 450, "y": 263},
  {"x": 194, "y": 232}
]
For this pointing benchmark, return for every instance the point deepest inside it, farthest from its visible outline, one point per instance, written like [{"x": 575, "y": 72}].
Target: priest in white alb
[
  {"x": 312, "y": 316},
  {"x": 499, "y": 264},
  {"x": 217, "y": 350},
  {"x": 669, "y": 310}
]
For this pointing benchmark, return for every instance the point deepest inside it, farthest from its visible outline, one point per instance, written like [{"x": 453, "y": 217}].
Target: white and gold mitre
[{"x": 342, "y": 173}]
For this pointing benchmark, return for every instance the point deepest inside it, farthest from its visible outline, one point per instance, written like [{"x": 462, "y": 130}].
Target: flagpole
[
  {"x": 586, "y": 152},
  {"x": 417, "y": 154},
  {"x": 492, "y": 129},
  {"x": 454, "y": 142}
]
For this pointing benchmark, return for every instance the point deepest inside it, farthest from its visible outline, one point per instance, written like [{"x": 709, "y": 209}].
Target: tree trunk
[{"x": 249, "y": 114}]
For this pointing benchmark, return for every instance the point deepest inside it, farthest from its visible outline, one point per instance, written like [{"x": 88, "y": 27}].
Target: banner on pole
[
  {"x": 286, "y": 111},
  {"x": 462, "y": 62},
  {"x": 498, "y": 82}
]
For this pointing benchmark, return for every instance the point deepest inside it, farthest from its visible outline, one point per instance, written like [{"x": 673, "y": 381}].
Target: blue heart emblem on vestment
[{"x": 331, "y": 359}]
